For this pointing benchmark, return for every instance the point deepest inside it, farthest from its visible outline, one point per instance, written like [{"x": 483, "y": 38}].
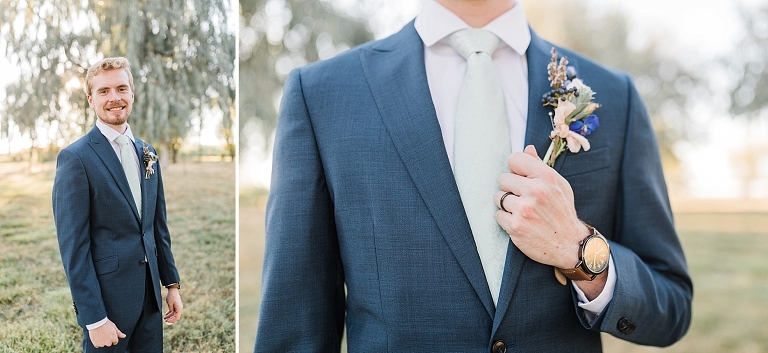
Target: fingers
[
  {"x": 514, "y": 183},
  {"x": 505, "y": 220},
  {"x": 527, "y": 164},
  {"x": 175, "y": 307},
  {"x": 172, "y": 316},
  {"x": 531, "y": 151},
  {"x": 504, "y": 203},
  {"x": 105, "y": 335}
]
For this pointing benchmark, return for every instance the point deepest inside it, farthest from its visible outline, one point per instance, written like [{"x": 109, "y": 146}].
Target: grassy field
[
  {"x": 35, "y": 303},
  {"x": 726, "y": 244}
]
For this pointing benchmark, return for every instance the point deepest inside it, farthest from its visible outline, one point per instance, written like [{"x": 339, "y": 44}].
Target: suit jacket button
[
  {"x": 499, "y": 347},
  {"x": 625, "y": 326},
  {"x": 142, "y": 262}
]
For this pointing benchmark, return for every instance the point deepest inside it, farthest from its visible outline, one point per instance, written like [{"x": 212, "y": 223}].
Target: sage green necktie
[
  {"x": 129, "y": 167},
  {"x": 481, "y": 148}
]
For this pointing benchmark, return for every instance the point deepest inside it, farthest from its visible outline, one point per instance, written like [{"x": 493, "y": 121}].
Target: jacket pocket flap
[
  {"x": 585, "y": 161},
  {"x": 106, "y": 265}
]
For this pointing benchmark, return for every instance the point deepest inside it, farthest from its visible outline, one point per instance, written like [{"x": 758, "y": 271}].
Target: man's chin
[{"x": 114, "y": 120}]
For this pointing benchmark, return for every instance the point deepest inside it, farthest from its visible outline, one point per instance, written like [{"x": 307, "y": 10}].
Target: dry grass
[
  {"x": 35, "y": 303},
  {"x": 725, "y": 243},
  {"x": 251, "y": 241}
]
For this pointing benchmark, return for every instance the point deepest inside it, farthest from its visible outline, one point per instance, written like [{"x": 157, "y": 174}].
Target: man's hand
[
  {"x": 175, "y": 306},
  {"x": 542, "y": 220},
  {"x": 105, "y": 335}
]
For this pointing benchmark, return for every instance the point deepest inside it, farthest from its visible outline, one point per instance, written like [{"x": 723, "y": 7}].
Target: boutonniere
[
  {"x": 572, "y": 120},
  {"x": 150, "y": 158}
]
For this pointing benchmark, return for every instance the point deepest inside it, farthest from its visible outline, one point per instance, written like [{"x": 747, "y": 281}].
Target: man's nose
[{"x": 113, "y": 96}]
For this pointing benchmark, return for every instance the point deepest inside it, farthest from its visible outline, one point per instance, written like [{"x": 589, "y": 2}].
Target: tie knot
[
  {"x": 123, "y": 140},
  {"x": 473, "y": 40}
]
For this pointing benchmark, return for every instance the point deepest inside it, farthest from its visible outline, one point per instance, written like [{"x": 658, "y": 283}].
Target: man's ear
[{"x": 90, "y": 100}]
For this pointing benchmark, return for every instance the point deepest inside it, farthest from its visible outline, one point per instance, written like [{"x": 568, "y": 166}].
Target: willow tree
[
  {"x": 182, "y": 56},
  {"x": 51, "y": 46},
  {"x": 748, "y": 67},
  {"x": 279, "y": 35}
]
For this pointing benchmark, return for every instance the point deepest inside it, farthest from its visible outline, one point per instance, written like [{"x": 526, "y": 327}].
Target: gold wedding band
[{"x": 501, "y": 202}]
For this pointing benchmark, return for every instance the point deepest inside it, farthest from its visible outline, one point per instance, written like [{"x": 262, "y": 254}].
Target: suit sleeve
[
  {"x": 302, "y": 298},
  {"x": 71, "y": 213},
  {"x": 165, "y": 262},
  {"x": 651, "y": 304}
]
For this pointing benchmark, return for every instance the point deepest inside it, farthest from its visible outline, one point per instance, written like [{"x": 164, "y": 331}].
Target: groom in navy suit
[
  {"x": 109, "y": 209},
  {"x": 369, "y": 232}
]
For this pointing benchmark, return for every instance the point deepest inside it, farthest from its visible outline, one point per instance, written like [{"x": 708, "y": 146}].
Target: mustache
[{"x": 116, "y": 105}]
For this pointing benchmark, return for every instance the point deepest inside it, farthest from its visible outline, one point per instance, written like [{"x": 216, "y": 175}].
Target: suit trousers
[{"x": 146, "y": 336}]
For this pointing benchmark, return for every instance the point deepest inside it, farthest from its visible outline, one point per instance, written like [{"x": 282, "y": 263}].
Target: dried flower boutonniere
[
  {"x": 150, "y": 158},
  {"x": 572, "y": 120}
]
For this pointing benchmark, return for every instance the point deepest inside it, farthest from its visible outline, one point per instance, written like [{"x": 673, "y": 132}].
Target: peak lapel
[
  {"x": 138, "y": 145},
  {"x": 103, "y": 149},
  {"x": 538, "y": 124},
  {"x": 396, "y": 75},
  {"x": 538, "y": 127}
]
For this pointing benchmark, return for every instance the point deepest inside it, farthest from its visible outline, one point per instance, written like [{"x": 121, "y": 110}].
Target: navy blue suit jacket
[
  {"x": 102, "y": 239},
  {"x": 365, "y": 225}
]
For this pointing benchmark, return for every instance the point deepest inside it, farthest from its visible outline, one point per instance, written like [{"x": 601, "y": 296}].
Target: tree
[
  {"x": 182, "y": 57},
  {"x": 277, "y": 36},
  {"x": 664, "y": 83},
  {"x": 50, "y": 52},
  {"x": 749, "y": 91}
]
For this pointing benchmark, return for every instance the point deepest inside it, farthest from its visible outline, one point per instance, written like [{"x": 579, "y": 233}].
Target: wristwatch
[
  {"x": 173, "y": 285},
  {"x": 593, "y": 257}
]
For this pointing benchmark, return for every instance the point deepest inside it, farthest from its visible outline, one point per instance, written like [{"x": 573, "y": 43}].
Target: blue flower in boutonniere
[
  {"x": 585, "y": 127},
  {"x": 572, "y": 119},
  {"x": 150, "y": 158}
]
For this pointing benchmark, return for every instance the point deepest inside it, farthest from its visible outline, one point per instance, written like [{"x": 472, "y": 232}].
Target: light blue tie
[
  {"x": 481, "y": 148},
  {"x": 129, "y": 167}
]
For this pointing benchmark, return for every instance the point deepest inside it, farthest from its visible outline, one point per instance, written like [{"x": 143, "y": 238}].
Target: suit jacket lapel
[
  {"x": 537, "y": 131},
  {"x": 138, "y": 145},
  {"x": 104, "y": 150},
  {"x": 396, "y": 75},
  {"x": 538, "y": 124}
]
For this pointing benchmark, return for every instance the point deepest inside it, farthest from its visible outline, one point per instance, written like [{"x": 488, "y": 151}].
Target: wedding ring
[{"x": 501, "y": 202}]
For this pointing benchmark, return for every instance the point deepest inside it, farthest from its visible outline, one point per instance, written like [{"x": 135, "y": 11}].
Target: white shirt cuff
[
  {"x": 97, "y": 324},
  {"x": 592, "y": 309}
]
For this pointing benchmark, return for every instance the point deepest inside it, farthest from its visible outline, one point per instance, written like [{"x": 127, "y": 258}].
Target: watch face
[{"x": 596, "y": 254}]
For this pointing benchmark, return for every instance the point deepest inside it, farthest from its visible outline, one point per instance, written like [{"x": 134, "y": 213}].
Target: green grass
[
  {"x": 730, "y": 284},
  {"x": 35, "y": 303},
  {"x": 727, "y": 255}
]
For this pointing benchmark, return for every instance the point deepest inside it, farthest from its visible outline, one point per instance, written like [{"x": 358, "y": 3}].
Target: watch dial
[{"x": 596, "y": 254}]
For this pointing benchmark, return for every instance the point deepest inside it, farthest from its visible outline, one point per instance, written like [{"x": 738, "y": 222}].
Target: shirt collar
[
  {"x": 434, "y": 23},
  {"x": 111, "y": 134}
]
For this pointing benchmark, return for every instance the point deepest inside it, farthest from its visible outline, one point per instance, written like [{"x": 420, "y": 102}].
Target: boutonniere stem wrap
[
  {"x": 572, "y": 119},
  {"x": 150, "y": 158}
]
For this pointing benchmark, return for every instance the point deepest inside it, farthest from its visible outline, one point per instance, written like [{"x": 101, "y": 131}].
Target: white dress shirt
[
  {"x": 445, "y": 72},
  {"x": 111, "y": 134}
]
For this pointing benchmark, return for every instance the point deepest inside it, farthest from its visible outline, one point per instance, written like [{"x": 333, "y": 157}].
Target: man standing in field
[{"x": 109, "y": 209}]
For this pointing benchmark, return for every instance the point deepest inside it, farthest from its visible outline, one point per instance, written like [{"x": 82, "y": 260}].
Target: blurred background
[
  {"x": 182, "y": 56},
  {"x": 701, "y": 66}
]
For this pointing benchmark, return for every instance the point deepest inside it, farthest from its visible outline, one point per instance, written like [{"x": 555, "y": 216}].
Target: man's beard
[{"x": 115, "y": 119}]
